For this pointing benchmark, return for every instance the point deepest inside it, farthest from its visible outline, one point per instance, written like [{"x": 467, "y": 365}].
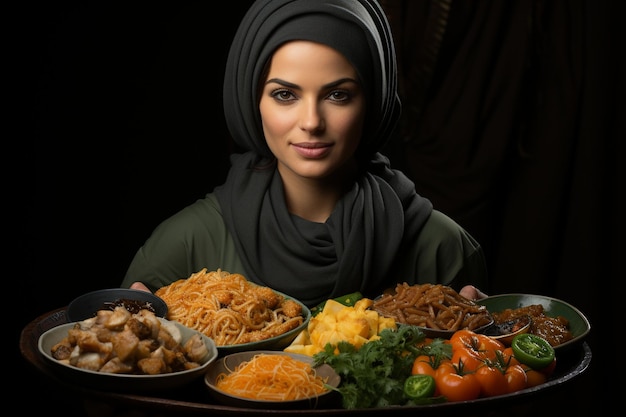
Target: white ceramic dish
[{"x": 122, "y": 382}]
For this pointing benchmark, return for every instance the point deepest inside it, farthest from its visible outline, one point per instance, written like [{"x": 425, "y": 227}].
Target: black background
[{"x": 117, "y": 125}]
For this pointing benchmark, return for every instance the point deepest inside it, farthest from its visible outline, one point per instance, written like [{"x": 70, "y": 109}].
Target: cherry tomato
[
  {"x": 532, "y": 350},
  {"x": 509, "y": 357},
  {"x": 492, "y": 381},
  {"x": 549, "y": 370},
  {"x": 477, "y": 341},
  {"x": 455, "y": 385},
  {"x": 419, "y": 386},
  {"x": 424, "y": 365},
  {"x": 482, "y": 344},
  {"x": 534, "y": 377},
  {"x": 516, "y": 378},
  {"x": 467, "y": 358}
]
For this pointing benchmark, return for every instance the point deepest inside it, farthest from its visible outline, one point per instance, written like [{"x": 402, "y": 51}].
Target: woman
[{"x": 310, "y": 207}]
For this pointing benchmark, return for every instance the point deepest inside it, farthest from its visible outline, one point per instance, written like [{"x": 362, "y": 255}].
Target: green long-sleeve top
[{"x": 196, "y": 237}]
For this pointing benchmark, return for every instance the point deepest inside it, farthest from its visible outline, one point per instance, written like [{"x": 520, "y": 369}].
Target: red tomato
[
  {"x": 482, "y": 344},
  {"x": 515, "y": 378},
  {"x": 455, "y": 385},
  {"x": 509, "y": 357},
  {"x": 534, "y": 377},
  {"x": 549, "y": 370},
  {"x": 466, "y": 358},
  {"x": 475, "y": 340},
  {"x": 426, "y": 365},
  {"x": 423, "y": 364},
  {"x": 492, "y": 381}
]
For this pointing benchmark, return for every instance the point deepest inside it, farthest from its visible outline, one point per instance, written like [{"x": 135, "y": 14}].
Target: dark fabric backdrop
[{"x": 513, "y": 125}]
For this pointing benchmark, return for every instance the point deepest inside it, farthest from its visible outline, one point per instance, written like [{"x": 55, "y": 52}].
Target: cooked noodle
[
  {"x": 272, "y": 378},
  {"x": 434, "y": 306},
  {"x": 228, "y": 308}
]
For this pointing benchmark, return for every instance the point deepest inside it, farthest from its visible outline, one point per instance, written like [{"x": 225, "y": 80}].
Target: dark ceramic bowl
[
  {"x": 228, "y": 363},
  {"x": 578, "y": 324},
  {"x": 278, "y": 342},
  {"x": 86, "y": 305}
]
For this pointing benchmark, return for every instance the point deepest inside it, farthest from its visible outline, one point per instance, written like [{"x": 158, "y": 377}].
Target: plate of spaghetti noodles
[
  {"x": 267, "y": 379},
  {"x": 237, "y": 314}
]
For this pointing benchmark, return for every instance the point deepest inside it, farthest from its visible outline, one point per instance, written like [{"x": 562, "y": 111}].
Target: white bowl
[{"x": 123, "y": 382}]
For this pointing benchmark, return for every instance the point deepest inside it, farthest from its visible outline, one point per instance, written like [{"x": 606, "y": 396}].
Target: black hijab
[{"x": 356, "y": 248}]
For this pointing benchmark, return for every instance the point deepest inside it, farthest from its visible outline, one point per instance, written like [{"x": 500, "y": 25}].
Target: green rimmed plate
[{"x": 578, "y": 324}]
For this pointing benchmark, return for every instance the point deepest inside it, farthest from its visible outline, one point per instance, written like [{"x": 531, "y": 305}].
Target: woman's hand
[
  {"x": 471, "y": 293},
  {"x": 139, "y": 286}
]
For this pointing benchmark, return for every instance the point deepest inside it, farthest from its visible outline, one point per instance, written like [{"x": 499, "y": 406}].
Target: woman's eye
[
  {"x": 336, "y": 96},
  {"x": 283, "y": 95},
  {"x": 339, "y": 95}
]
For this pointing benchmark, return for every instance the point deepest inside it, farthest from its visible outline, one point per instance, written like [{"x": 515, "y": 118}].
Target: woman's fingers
[
  {"x": 139, "y": 286},
  {"x": 472, "y": 293}
]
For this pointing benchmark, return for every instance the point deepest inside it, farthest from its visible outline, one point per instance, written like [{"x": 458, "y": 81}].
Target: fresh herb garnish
[{"x": 374, "y": 375}]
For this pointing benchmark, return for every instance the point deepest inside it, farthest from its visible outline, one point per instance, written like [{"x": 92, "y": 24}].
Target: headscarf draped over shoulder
[{"x": 358, "y": 29}]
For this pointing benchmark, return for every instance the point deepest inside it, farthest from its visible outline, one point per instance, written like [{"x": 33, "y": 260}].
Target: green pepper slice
[
  {"x": 419, "y": 386},
  {"x": 532, "y": 350}
]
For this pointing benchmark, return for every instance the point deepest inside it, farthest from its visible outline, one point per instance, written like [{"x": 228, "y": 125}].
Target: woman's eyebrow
[
  {"x": 295, "y": 86},
  {"x": 281, "y": 82}
]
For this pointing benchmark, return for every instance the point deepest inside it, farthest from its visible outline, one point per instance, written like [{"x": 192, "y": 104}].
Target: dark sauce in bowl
[
  {"x": 507, "y": 327},
  {"x": 133, "y": 306}
]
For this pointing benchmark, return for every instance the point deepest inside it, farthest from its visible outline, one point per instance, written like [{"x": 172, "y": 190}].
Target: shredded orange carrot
[{"x": 272, "y": 378}]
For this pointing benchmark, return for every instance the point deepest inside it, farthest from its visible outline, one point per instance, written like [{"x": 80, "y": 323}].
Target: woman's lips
[{"x": 312, "y": 150}]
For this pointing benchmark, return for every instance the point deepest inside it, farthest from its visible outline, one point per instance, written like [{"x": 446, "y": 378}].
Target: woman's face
[{"x": 312, "y": 107}]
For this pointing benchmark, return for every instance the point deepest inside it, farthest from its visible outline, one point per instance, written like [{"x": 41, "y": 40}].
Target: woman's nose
[{"x": 311, "y": 118}]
